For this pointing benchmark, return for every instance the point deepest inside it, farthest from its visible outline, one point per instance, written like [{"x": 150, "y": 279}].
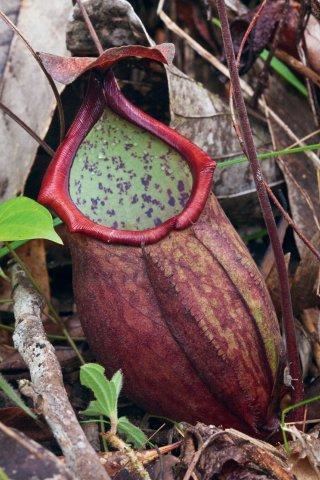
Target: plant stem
[
  {"x": 136, "y": 464},
  {"x": 250, "y": 152},
  {"x": 51, "y": 308}
]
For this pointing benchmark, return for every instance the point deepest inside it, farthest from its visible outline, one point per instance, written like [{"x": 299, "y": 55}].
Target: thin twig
[
  {"x": 298, "y": 66},
  {"x": 90, "y": 27},
  {"x": 250, "y": 150},
  {"x": 55, "y": 316},
  {"x": 47, "y": 387},
  {"x": 306, "y": 137},
  {"x": 48, "y": 76},
  {"x": 23, "y": 125}
]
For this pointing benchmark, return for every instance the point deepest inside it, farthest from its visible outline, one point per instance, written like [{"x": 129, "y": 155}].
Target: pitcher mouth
[{"x": 57, "y": 191}]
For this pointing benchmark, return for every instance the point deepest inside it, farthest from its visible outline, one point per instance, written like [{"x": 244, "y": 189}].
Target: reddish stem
[{"x": 250, "y": 152}]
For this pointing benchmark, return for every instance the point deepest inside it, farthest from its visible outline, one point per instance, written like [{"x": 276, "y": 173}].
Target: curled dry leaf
[{"x": 264, "y": 30}]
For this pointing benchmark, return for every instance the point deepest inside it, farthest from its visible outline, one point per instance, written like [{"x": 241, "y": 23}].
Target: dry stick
[
  {"x": 287, "y": 313},
  {"x": 23, "y": 125},
  {"x": 223, "y": 69},
  {"x": 291, "y": 222},
  {"x": 49, "y": 78},
  {"x": 298, "y": 66},
  {"x": 47, "y": 384},
  {"x": 54, "y": 315},
  {"x": 90, "y": 27}
]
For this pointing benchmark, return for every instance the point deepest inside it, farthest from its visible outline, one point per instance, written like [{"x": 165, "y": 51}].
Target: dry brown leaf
[
  {"x": 232, "y": 453},
  {"x": 26, "y": 90},
  {"x": 11, "y": 9},
  {"x": 22, "y": 458},
  {"x": 305, "y": 446},
  {"x": 302, "y": 469},
  {"x": 305, "y": 281},
  {"x": 33, "y": 254},
  {"x": 311, "y": 321}
]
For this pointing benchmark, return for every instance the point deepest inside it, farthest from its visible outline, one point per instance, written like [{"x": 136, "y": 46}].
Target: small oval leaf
[{"x": 133, "y": 434}]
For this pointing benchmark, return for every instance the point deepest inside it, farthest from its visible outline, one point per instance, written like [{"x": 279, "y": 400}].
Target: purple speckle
[
  {"x": 149, "y": 212},
  {"x": 146, "y": 181},
  {"x": 172, "y": 201},
  {"x": 181, "y": 186}
]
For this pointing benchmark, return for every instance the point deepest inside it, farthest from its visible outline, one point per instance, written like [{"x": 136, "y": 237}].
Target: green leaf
[
  {"x": 93, "y": 409},
  {"x": 117, "y": 380},
  {"x": 92, "y": 376},
  {"x": 22, "y": 218},
  {"x": 14, "y": 396},
  {"x": 133, "y": 434}
]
